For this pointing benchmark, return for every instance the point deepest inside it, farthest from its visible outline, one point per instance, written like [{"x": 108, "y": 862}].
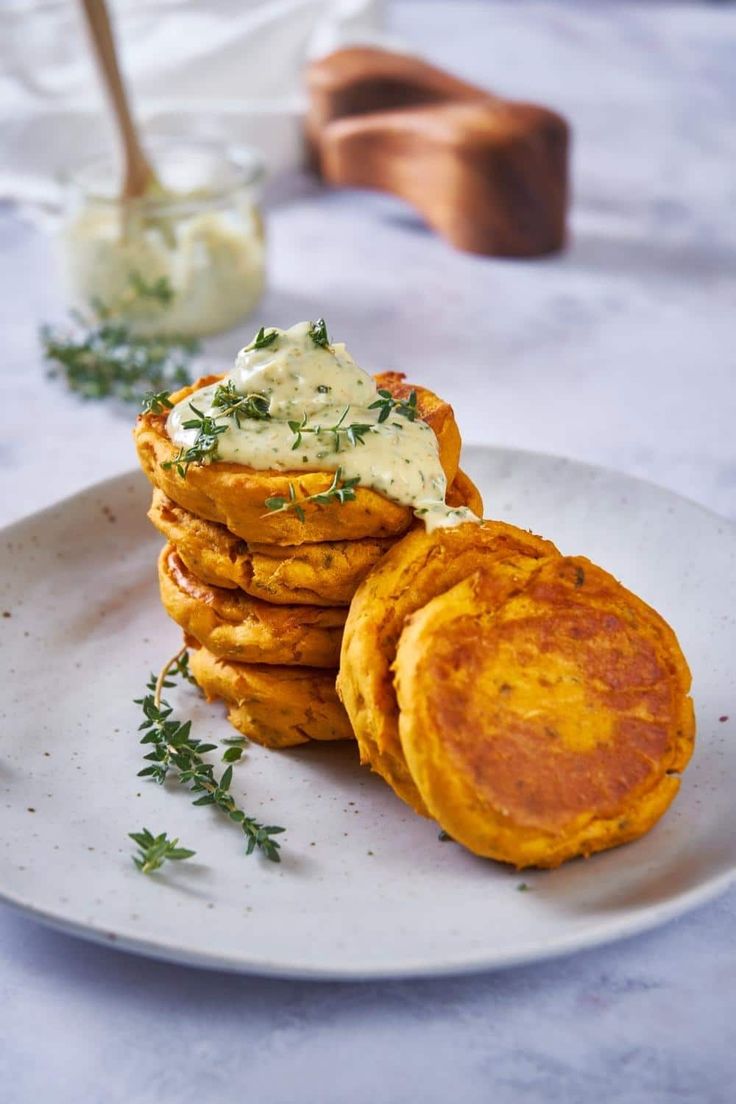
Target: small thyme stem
[
  {"x": 174, "y": 749},
  {"x": 173, "y": 662}
]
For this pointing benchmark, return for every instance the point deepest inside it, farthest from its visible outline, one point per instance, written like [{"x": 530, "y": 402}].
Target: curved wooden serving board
[{"x": 489, "y": 174}]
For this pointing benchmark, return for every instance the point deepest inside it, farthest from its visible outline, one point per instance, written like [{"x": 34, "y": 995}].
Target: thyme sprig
[
  {"x": 340, "y": 491},
  {"x": 231, "y": 403},
  {"x": 177, "y": 667},
  {"x": 228, "y": 402},
  {"x": 204, "y": 448},
  {"x": 318, "y": 333},
  {"x": 175, "y": 750},
  {"x": 158, "y": 290},
  {"x": 354, "y": 433},
  {"x": 262, "y": 339},
  {"x": 388, "y": 405},
  {"x": 154, "y": 851},
  {"x": 156, "y": 402},
  {"x": 101, "y": 356}
]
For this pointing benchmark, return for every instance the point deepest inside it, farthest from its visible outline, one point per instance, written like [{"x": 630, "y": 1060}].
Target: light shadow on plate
[
  {"x": 634, "y": 880},
  {"x": 335, "y": 760},
  {"x": 182, "y": 878},
  {"x": 337, "y": 765}
]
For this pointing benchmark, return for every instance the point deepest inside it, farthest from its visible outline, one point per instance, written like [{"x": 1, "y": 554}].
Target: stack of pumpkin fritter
[
  {"x": 262, "y": 596},
  {"x": 525, "y": 700}
]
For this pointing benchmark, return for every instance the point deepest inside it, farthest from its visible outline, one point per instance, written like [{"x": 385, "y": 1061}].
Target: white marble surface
[{"x": 620, "y": 352}]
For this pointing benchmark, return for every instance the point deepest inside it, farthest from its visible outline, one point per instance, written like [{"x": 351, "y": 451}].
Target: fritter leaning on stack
[
  {"x": 262, "y": 594},
  {"x": 525, "y": 700}
]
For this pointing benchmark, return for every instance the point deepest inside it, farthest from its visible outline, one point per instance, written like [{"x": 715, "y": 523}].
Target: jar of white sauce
[{"x": 188, "y": 261}]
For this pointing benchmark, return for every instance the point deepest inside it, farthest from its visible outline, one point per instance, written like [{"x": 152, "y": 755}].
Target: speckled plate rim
[
  {"x": 602, "y": 935},
  {"x": 606, "y": 932}
]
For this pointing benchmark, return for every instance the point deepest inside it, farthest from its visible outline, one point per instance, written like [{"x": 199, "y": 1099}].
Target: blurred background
[{"x": 617, "y": 349}]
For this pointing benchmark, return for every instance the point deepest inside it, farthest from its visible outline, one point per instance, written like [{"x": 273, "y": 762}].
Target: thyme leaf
[
  {"x": 318, "y": 333},
  {"x": 388, "y": 405},
  {"x": 174, "y": 750},
  {"x": 154, "y": 851},
  {"x": 232, "y": 755},
  {"x": 340, "y": 491},
  {"x": 262, "y": 339}
]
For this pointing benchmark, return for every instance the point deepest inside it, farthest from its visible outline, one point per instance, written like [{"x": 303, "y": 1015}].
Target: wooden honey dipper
[{"x": 488, "y": 174}]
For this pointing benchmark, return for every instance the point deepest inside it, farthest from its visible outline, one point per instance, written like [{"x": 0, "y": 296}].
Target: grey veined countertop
[{"x": 622, "y": 352}]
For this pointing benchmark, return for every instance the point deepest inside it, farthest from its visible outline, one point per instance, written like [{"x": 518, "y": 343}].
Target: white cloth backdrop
[{"x": 218, "y": 68}]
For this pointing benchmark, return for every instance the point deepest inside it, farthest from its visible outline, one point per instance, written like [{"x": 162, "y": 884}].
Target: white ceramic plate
[{"x": 366, "y": 889}]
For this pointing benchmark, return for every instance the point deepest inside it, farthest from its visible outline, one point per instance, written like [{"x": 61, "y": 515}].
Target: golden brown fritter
[
  {"x": 235, "y": 626},
  {"x": 234, "y": 494},
  {"x": 274, "y": 706},
  {"x": 545, "y": 715},
  {"x": 323, "y": 574},
  {"x": 463, "y": 492},
  {"x": 414, "y": 571}
]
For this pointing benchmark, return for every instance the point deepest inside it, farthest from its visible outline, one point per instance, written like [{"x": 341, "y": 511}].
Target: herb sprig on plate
[
  {"x": 154, "y": 851},
  {"x": 102, "y": 356},
  {"x": 340, "y": 491},
  {"x": 175, "y": 751}
]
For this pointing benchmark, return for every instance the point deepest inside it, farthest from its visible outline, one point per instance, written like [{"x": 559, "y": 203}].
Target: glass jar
[{"x": 188, "y": 260}]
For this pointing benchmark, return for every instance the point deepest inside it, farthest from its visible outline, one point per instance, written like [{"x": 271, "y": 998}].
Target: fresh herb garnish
[
  {"x": 279, "y": 505},
  {"x": 235, "y": 748},
  {"x": 340, "y": 490},
  {"x": 353, "y": 433},
  {"x": 262, "y": 339},
  {"x": 156, "y": 403},
  {"x": 175, "y": 750},
  {"x": 154, "y": 851},
  {"x": 231, "y": 402},
  {"x": 159, "y": 290},
  {"x": 388, "y": 405},
  {"x": 103, "y": 357},
  {"x": 204, "y": 448},
  {"x": 318, "y": 333}
]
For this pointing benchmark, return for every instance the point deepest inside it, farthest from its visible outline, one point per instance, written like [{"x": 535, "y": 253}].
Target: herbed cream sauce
[{"x": 306, "y": 382}]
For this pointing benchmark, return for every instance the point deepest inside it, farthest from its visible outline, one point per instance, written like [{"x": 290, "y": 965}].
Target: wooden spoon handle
[{"x": 138, "y": 172}]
